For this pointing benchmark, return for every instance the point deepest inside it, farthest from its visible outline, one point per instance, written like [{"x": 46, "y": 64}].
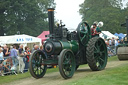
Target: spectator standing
[
  {"x": 121, "y": 41},
  {"x": 13, "y": 54},
  {"x": 1, "y": 55},
  {"x": 27, "y": 55},
  {"x": 110, "y": 42},
  {"x": 108, "y": 47},
  {"x": 36, "y": 47},
  {"x": 41, "y": 47},
  {"x": 20, "y": 58},
  {"x": 113, "y": 41},
  {"x": 116, "y": 44},
  {"x": 6, "y": 52}
]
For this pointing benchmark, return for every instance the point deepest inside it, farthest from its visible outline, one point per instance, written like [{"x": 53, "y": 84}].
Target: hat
[{"x": 100, "y": 24}]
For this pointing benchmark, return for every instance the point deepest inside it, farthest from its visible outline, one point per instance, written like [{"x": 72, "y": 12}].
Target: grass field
[{"x": 113, "y": 76}]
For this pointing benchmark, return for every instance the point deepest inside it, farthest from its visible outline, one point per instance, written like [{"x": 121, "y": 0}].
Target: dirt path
[{"x": 56, "y": 79}]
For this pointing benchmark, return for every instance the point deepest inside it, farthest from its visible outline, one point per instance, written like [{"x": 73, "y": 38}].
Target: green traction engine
[{"x": 68, "y": 50}]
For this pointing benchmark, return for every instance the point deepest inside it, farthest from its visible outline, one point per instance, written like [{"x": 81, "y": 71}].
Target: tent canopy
[
  {"x": 121, "y": 35},
  {"x": 107, "y": 35},
  {"x": 116, "y": 34},
  {"x": 17, "y": 39},
  {"x": 42, "y": 35}
]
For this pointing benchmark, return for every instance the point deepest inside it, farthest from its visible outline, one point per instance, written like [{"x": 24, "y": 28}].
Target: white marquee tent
[
  {"x": 19, "y": 39},
  {"x": 107, "y": 35}
]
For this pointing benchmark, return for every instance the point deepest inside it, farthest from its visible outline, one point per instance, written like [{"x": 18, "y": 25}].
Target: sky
[
  {"x": 68, "y": 12},
  {"x": 124, "y": 2}
]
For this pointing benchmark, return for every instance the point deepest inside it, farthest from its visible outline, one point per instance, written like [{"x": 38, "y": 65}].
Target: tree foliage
[
  {"x": 108, "y": 11},
  {"x": 26, "y": 16}
]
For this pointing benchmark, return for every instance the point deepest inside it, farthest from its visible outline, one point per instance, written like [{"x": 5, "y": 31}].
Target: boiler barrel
[{"x": 55, "y": 47}]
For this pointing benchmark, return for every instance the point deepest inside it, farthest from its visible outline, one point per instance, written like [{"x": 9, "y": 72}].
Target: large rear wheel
[
  {"x": 96, "y": 54},
  {"x": 67, "y": 63},
  {"x": 37, "y": 70}
]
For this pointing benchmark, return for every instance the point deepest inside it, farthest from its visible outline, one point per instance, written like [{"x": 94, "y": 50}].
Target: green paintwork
[
  {"x": 100, "y": 53},
  {"x": 75, "y": 46},
  {"x": 72, "y": 45},
  {"x": 50, "y": 62}
]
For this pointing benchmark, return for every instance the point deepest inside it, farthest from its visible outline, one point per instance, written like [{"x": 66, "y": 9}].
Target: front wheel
[
  {"x": 37, "y": 70},
  {"x": 67, "y": 63}
]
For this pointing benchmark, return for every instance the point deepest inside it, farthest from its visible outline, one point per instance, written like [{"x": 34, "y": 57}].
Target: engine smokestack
[{"x": 51, "y": 19}]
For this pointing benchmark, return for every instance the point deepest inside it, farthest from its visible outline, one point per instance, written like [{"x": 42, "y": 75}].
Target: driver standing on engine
[{"x": 95, "y": 30}]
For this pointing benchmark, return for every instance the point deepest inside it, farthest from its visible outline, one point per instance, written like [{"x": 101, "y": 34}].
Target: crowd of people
[
  {"x": 15, "y": 57},
  {"x": 112, "y": 45}
]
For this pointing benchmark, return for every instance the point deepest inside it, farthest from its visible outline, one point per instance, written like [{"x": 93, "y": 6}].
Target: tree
[
  {"x": 26, "y": 16},
  {"x": 108, "y": 11}
]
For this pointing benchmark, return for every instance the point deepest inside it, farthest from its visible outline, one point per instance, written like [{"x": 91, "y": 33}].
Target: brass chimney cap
[{"x": 51, "y": 9}]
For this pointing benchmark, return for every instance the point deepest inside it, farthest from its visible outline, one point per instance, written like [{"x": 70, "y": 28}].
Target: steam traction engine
[{"x": 68, "y": 50}]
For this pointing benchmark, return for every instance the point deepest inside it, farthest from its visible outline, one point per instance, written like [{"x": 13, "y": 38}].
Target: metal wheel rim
[
  {"x": 100, "y": 54},
  {"x": 68, "y": 64},
  {"x": 36, "y": 65}
]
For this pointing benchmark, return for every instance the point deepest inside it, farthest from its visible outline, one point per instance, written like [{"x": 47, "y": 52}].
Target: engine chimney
[{"x": 51, "y": 19}]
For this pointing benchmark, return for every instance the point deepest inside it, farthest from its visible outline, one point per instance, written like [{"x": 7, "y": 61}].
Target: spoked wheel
[
  {"x": 37, "y": 70},
  {"x": 96, "y": 54},
  {"x": 83, "y": 33},
  {"x": 67, "y": 63}
]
